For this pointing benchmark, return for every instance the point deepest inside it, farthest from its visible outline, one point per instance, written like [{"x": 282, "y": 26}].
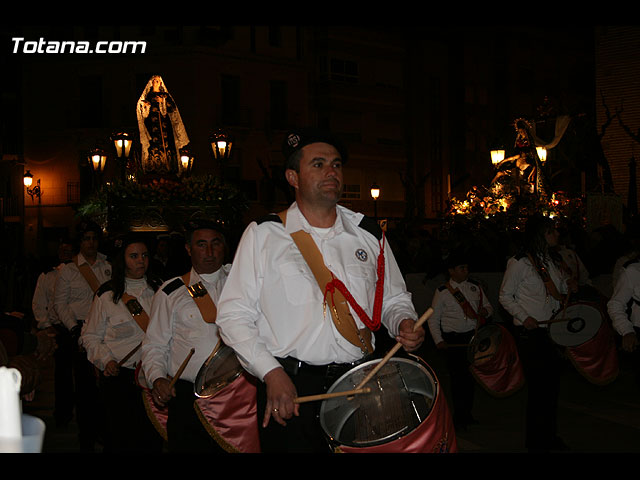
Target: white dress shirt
[
  {"x": 73, "y": 295},
  {"x": 110, "y": 331},
  {"x": 272, "y": 305},
  {"x": 176, "y": 326},
  {"x": 626, "y": 289},
  {"x": 43, "y": 297},
  {"x": 449, "y": 316},
  {"x": 523, "y": 293}
]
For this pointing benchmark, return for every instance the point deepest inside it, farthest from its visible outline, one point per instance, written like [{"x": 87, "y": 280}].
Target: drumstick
[
  {"x": 395, "y": 348},
  {"x": 323, "y": 396},
  {"x": 128, "y": 355},
  {"x": 181, "y": 369}
]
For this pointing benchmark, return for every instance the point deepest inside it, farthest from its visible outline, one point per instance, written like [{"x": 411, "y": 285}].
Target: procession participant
[
  {"x": 74, "y": 290},
  {"x": 280, "y": 321},
  {"x": 177, "y": 325},
  {"x": 459, "y": 308},
  {"x": 49, "y": 323},
  {"x": 624, "y": 311},
  {"x": 112, "y": 335},
  {"x": 533, "y": 290}
]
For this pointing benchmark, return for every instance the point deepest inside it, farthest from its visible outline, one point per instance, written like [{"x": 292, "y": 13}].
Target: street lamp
[
  {"x": 28, "y": 181},
  {"x": 542, "y": 154},
  {"x": 497, "y": 156},
  {"x": 97, "y": 159},
  {"x": 375, "y": 193},
  {"x": 221, "y": 144},
  {"x": 186, "y": 161},
  {"x": 122, "y": 142}
]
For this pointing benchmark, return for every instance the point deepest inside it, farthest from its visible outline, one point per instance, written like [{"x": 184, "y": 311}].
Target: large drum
[
  {"x": 405, "y": 411},
  {"x": 494, "y": 361},
  {"x": 587, "y": 337},
  {"x": 575, "y": 324},
  {"x": 226, "y": 401},
  {"x": 157, "y": 415}
]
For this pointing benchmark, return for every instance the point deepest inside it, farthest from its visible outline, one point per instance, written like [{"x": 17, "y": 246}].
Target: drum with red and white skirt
[{"x": 404, "y": 411}]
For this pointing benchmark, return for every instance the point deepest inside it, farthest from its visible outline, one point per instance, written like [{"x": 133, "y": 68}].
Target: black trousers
[
  {"x": 542, "y": 363},
  {"x": 185, "y": 431},
  {"x": 302, "y": 434},
  {"x": 128, "y": 426},
  {"x": 462, "y": 381},
  {"x": 63, "y": 376},
  {"x": 88, "y": 402}
]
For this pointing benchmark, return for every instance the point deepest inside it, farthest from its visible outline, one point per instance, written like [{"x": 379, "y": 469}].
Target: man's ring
[{"x": 275, "y": 410}]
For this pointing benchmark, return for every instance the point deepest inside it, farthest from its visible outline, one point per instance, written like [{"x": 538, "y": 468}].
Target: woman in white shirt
[
  {"x": 532, "y": 291},
  {"x": 112, "y": 334}
]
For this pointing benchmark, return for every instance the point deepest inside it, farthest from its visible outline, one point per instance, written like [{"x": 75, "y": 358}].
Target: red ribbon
[{"x": 372, "y": 323}]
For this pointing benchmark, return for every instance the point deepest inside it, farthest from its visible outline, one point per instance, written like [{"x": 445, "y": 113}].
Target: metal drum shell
[{"x": 336, "y": 412}]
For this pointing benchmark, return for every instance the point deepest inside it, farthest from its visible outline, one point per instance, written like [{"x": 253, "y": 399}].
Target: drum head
[
  {"x": 402, "y": 395},
  {"x": 484, "y": 344},
  {"x": 219, "y": 370},
  {"x": 581, "y": 323}
]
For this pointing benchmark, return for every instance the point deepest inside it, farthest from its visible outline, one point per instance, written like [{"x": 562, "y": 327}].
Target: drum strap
[
  {"x": 467, "y": 308},
  {"x": 136, "y": 310},
  {"x": 87, "y": 274},
  {"x": 202, "y": 298},
  {"x": 546, "y": 278},
  {"x": 339, "y": 308}
]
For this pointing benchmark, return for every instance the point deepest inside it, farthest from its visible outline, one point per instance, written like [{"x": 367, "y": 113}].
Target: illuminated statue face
[{"x": 156, "y": 82}]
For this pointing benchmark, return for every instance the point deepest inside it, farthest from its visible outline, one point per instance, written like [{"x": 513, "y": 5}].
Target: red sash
[{"x": 502, "y": 374}]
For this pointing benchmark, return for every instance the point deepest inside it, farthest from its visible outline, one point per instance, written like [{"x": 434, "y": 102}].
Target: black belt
[{"x": 293, "y": 366}]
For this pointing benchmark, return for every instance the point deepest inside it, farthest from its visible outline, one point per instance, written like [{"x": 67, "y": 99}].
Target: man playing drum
[
  {"x": 459, "y": 307},
  {"x": 177, "y": 325},
  {"x": 624, "y": 310},
  {"x": 294, "y": 331}
]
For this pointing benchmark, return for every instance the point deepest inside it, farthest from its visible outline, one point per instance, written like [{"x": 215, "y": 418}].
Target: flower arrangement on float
[{"x": 166, "y": 202}]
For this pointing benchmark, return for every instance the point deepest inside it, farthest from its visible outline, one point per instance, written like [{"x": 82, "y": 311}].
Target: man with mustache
[
  {"x": 279, "y": 316},
  {"x": 176, "y": 326}
]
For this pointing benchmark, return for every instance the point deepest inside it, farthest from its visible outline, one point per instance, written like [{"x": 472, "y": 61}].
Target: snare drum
[
  {"x": 404, "y": 412},
  {"x": 575, "y": 325}
]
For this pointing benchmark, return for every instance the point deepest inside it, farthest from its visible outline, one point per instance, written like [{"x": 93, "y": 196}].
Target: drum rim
[
  {"x": 489, "y": 326},
  {"x": 419, "y": 362},
  {"x": 198, "y": 381},
  {"x": 592, "y": 305}
]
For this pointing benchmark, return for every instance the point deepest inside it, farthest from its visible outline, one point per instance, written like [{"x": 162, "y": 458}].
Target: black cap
[
  {"x": 456, "y": 258},
  {"x": 299, "y": 138},
  {"x": 201, "y": 223},
  {"x": 88, "y": 226}
]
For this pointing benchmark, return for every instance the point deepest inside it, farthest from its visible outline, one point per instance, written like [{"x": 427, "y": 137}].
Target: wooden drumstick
[
  {"x": 395, "y": 348},
  {"x": 129, "y": 355},
  {"x": 181, "y": 369},
  {"x": 323, "y": 396}
]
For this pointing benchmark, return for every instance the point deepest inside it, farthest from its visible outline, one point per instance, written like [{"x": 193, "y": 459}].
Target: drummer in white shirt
[
  {"x": 112, "y": 336},
  {"x": 176, "y": 326},
  {"x": 453, "y": 324},
  {"x": 272, "y": 308},
  {"x": 75, "y": 287},
  {"x": 530, "y": 300}
]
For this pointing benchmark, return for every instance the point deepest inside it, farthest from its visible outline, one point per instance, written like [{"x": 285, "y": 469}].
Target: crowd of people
[{"x": 310, "y": 294}]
